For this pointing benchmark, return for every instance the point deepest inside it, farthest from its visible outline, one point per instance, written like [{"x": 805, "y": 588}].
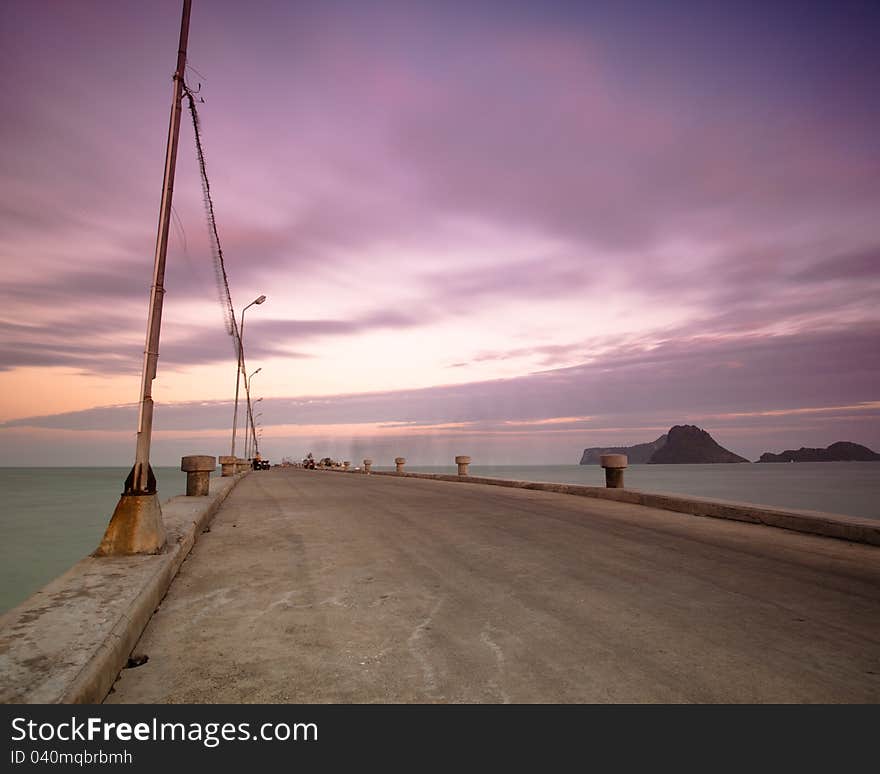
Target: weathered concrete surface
[
  {"x": 321, "y": 587},
  {"x": 614, "y": 465},
  {"x": 135, "y": 528},
  {"x": 198, "y": 469},
  {"x": 67, "y": 642},
  {"x": 859, "y": 530}
]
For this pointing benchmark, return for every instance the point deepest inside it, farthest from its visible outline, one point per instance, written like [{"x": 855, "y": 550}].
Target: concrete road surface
[{"x": 318, "y": 587}]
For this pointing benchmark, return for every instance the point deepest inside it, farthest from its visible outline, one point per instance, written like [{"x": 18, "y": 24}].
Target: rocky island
[
  {"x": 636, "y": 455},
  {"x": 842, "y": 451},
  {"x": 683, "y": 444}
]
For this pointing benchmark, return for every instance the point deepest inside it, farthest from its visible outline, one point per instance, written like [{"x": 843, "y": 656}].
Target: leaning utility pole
[{"x": 136, "y": 526}]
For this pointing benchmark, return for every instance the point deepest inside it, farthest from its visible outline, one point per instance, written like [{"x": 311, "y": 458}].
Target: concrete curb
[
  {"x": 851, "y": 528},
  {"x": 67, "y": 643}
]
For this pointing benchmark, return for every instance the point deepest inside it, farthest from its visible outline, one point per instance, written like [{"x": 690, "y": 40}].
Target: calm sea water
[
  {"x": 851, "y": 488},
  {"x": 52, "y": 517}
]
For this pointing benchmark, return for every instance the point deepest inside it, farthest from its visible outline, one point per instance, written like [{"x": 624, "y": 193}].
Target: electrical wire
[{"x": 216, "y": 248}]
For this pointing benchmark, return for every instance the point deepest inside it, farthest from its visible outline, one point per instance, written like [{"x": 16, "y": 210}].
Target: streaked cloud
[
  {"x": 493, "y": 218},
  {"x": 784, "y": 378}
]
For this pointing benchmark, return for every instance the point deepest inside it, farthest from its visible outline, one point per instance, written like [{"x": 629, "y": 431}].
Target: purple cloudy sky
[{"x": 505, "y": 229}]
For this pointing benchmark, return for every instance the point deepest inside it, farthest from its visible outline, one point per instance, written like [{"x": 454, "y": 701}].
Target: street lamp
[
  {"x": 240, "y": 368},
  {"x": 249, "y": 416},
  {"x": 256, "y": 446},
  {"x": 247, "y": 440}
]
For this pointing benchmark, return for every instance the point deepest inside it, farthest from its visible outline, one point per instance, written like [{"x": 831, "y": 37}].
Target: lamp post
[
  {"x": 249, "y": 415},
  {"x": 136, "y": 525},
  {"x": 249, "y": 433},
  {"x": 240, "y": 369},
  {"x": 255, "y": 449},
  {"x": 251, "y": 437}
]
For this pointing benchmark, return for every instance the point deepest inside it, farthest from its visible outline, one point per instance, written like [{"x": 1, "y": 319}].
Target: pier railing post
[
  {"x": 228, "y": 465},
  {"x": 614, "y": 465},
  {"x": 462, "y": 462},
  {"x": 198, "y": 469}
]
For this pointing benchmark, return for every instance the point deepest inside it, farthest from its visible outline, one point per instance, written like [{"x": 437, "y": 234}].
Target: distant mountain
[
  {"x": 683, "y": 444},
  {"x": 842, "y": 451},
  {"x": 637, "y": 455},
  {"x": 691, "y": 445}
]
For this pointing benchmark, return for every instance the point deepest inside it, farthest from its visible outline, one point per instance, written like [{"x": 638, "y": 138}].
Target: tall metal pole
[
  {"x": 141, "y": 479},
  {"x": 238, "y": 377},
  {"x": 255, "y": 450},
  {"x": 136, "y": 526},
  {"x": 249, "y": 416},
  {"x": 240, "y": 370}
]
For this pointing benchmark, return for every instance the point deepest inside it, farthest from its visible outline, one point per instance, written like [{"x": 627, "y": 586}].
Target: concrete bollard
[
  {"x": 346, "y": 464},
  {"x": 367, "y": 465},
  {"x": 400, "y": 462},
  {"x": 462, "y": 463},
  {"x": 614, "y": 465},
  {"x": 227, "y": 465},
  {"x": 198, "y": 469}
]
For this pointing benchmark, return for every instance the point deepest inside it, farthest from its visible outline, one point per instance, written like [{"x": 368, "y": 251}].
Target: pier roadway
[{"x": 316, "y": 586}]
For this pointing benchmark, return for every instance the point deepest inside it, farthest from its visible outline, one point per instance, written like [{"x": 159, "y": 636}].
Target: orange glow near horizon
[{"x": 467, "y": 219}]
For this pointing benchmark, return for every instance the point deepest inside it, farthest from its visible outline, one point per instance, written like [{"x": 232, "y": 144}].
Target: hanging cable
[{"x": 216, "y": 249}]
